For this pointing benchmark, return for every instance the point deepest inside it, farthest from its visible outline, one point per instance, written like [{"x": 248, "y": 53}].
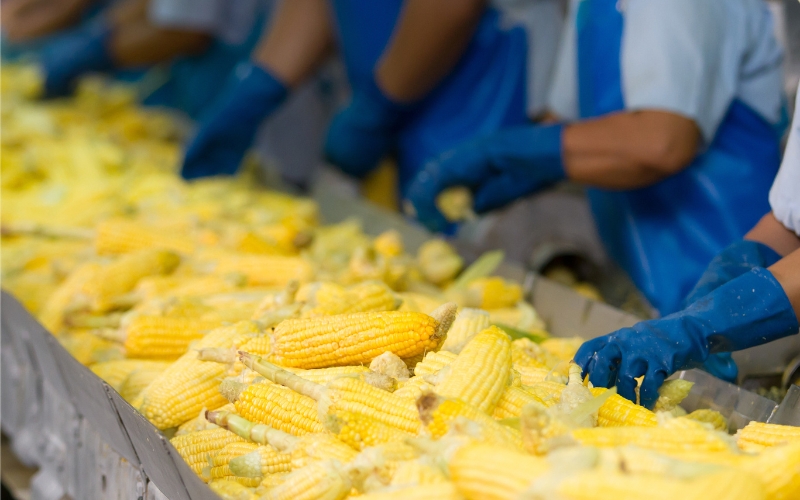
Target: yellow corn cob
[
  {"x": 758, "y": 435},
  {"x": 352, "y": 339},
  {"x": 315, "y": 447},
  {"x": 493, "y": 293},
  {"x": 671, "y": 393},
  {"x": 154, "y": 337},
  {"x": 279, "y": 407},
  {"x": 219, "y": 463},
  {"x": 197, "y": 447},
  {"x": 52, "y": 313},
  {"x": 417, "y": 472},
  {"x": 438, "y": 491},
  {"x": 260, "y": 345},
  {"x": 252, "y": 243},
  {"x": 562, "y": 348},
  {"x": 325, "y": 375},
  {"x": 532, "y": 375},
  {"x": 712, "y": 417},
  {"x": 317, "y": 480},
  {"x": 363, "y": 297},
  {"x": 512, "y": 401},
  {"x": 189, "y": 385},
  {"x": 114, "y": 373},
  {"x": 230, "y": 490},
  {"x": 121, "y": 276},
  {"x": 483, "y": 472},
  {"x": 389, "y": 243},
  {"x": 417, "y": 302},
  {"x": 360, "y": 431},
  {"x": 440, "y": 415},
  {"x": 620, "y": 412},
  {"x": 522, "y": 317},
  {"x": 139, "y": 379},
  {"x": 676, "y": 438},
  {"x": 468, "y": 323},
  {"x": 88, "y": 348},
  {"x": 480, "y": 374},
  {"x": 266, "y": 270},
  {"x": 778, "y": 468},
  {"x": 259, "y": 462},
  {"x": 200, "y": 423},
  {"x": 548, "y": 392},
  {"x": 269, "y": 482},
  {"x": 344, "y": 394},
  {"x": 415, "y": 387},
  {"x": 433, "y": 362},
  {"x": 525, "y": 352},
  {"x": 119, "y": 236}
]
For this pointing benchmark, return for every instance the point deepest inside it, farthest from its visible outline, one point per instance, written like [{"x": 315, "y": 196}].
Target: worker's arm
[
  {"x": 294, "y": 45},
  {"x": 775, "y": 235},
  {"x": 428, "y": 40},
  {"x": 26, "y": 20},
  {"x": 787, "y": 272}
]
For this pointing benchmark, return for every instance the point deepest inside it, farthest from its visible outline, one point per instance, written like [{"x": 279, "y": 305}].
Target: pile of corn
[{"x": 290, "y": 360}]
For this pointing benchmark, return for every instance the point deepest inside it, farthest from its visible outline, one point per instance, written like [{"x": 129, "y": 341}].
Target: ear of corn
[
  {"x": 433, "y": 362},
  {"x": 512, "y": 401},
  {"x": 279, "y": 407},
  {"x": 153, "y": 337},
  {"x": 116, "y": 372},
  {"x": 483, "y": 472},
  {"x": 712, "y": 417},
  {"x": 360, "y": 431},
  {"x": 620, "y": 412},
  {"x": 317, "y": 480},
  {"x": 57, "y": 305},
  {"x": 230, "y": 490},
  {"x": 493, "y": 293},
  {"x": 436, "y": 491},
  {"x": 362, "y": 297},
  {"x": 654, "y": 438},
  {"x": 119, "y": 236},
  {"x": 197, "y": 448},
  {"x": 266, "y": 270},
  {"x": 756, "y": 436},
  {"x": 468, "y": 323}
]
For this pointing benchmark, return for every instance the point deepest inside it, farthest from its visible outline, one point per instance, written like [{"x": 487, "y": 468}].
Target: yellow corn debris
[
  {"x": 493, "y": 293},
  {"x": 441, "y": 415},
  {"x": 468, "y": 323}
]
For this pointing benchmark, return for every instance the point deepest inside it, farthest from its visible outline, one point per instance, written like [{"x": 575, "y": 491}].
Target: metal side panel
[
  {"x": 158, "y": 458},
  {"x": 788, "y": 412}
]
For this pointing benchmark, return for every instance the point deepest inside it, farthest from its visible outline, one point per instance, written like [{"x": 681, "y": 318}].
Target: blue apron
[
  {"x": 665, "y": 235},
  {"x": 483, "y": 93}
]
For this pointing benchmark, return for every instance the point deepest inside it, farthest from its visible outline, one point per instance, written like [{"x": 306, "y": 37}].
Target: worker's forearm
[
  {"x": 772, "y": 233},
  {"x": 24, "y": 20},
  {"x": 629, "y": 150},
  {"x": 297, "y": 41},
  {"x": 787, "y": 272},
  {"x": 428, "y": 41},
  {"x": 144, "y": 44}
]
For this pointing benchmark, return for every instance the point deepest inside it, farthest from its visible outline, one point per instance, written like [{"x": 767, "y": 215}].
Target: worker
[
  {"x": 424, "y": 76},
  {"x": 669, "y": 111},
  {"x": 199, "y": 41},
  {"x": 26, "y": 21},
  {"x": 749, "y": 295}
]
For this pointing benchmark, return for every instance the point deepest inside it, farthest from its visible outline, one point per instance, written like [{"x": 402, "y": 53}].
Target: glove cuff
[
  {"x": 385, "y": 111},
  {"x": 259, "y": 89},
  {"x": 549, "y": 143}
]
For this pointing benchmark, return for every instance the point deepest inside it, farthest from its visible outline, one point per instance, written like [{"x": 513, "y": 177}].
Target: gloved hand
[
  {"x": 498, "y": 169},
  {"x": 83, "y": 51},
  {"x": 363, "y": 132},
  {"x": 228, "y": 130},
  {"x": 747, "y": 311},
  {"x": 732, "y": 262}
]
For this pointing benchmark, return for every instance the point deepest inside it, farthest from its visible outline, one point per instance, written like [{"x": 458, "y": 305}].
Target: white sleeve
[
  {"x": 229, "y": 20},
  {"x": 681, "y": 56},
  {"x": 563, "y": 95},
  {"x": 784, "y": 197}
]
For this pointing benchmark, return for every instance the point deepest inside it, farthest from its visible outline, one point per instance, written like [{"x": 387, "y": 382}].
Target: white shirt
[
  {"x": 229, "y": 20},
  {"x": 689, "y": 57},
  {"x": 784, "y": 197}
]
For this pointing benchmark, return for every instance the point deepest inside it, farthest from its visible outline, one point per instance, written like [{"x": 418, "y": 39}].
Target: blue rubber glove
[
  {"x": 363, "y": 132},
  {"x": 230, "y": 126},
  {"x": 498, "y": 169},
  {"x": 83, "y": 51},
  {"x": 732, "y": 262},
  {"x": 747, "y": 311}
]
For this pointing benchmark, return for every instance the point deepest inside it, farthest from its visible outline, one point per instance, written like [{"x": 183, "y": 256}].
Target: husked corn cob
[
  {"x": 344, "y": 394},
  {"x": 219, "y": 463},
  {"x": 468, "y": 323},
  {"x": 266, "y": 270},
  {"x": 493, "y": 293},
  {"x": 53, "y": 311},
  {"x": 512, "y": 401},
  {"x": 620, "y": 412},
  {"x": 531, "y": 375},
  {"x": 197, "y": 447},
  {"x": 440, "y": 415},
  {"x": 712, "y": 417},
  {"x": 417, "y": 302},
  {"x": 417, "y": 472},
  {"x": 437, "y": 491},
  {"x": 352, "y": 339},
  {"x": 360, "y": 431},
  {"x": 671, "y": 393},
  {"x": 325, "y": 375},
  {"x": 261, "y": 461},
  {"x": 230, "y": 490},
  {"x": 120, "y": 236},
  {"x": 484, "y": 472},
  {"x": 326, "y": 479},
  {"x": 433, "y": 362},
  {"x": 260, "y": 345},
  {"x": 200, "y": 423},
  {"x": 412, "y": 389},
  {"x": 778, "y": 468},
  {"x": 525, "y": 352},
  {"x": 155, "y": 337},
  {"x": 480, "y": 374},
  {"x": 362, "y": 297},
  {"x": 88, "y": 348},
  {"x": 562, "y": 348},
  {"x": 549, "y": 392},
  {"x": 121, "y": 276},
  {"x": 139, "y": 379},
  {"x": 756, "y": 436},
  {"x": 279, "y": 407},
  {"x": 679, "y": 436},
  {"x": 116, "y": 372},
  {"x": 189, "y": 385}
]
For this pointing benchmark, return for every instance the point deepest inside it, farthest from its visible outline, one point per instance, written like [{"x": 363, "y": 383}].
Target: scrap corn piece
[
  {"x": 493, "y": 293},
  {"x": 525, "y": 352},
  {"x": 433, "y": 362},
  {"x": 391, "y": 365},
  {"x": 116, "y": 372},
  {"x": 441, "y": 415},
  {"x": 468, "y": 323},
  {"x": 620, "y": 412},
  {"x": 53, "y": 311},
  {"x": 663, "y": 439},
  {"x": 120, "y": 236},
  {"x": 389, "y": 243},
  {"x": 549, "y": 392},
  {"x": 352, "y": 339},
  {"x": 778, "y": 468},
  {"x": 259, "y": 462},
  {"x": 671, "y": 393},
  {"x": 197, "y": 447},
  {"x": 156, "y": 337},
  {"x": 189, "y": 385},
  {"x": 360, "y": 431},
  {"x": 562, "y": 348},
  {"x": 417, "y": 302},
  {"x": 412, "y": 389},
  {"x": 480, "y": 374},
  {"x": 757, "y": 435},
  {"x": 532, "y": 375},
  {"x": 512, "y": 401},
  {"x": 122, "y": 275},
  {"x": 266, "y": 270},
  {"x": 231, "y": 490},
  {"x": 438, "y": 261},
  {"x": 712, "y": 417},
  {"x": 280, "y": 408},
  {"x": 317, "y": 480},
  {"x": 485, "y": 472}
]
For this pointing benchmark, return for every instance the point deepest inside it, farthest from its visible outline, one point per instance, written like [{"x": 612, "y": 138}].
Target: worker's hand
[
  {"x": 67, "y": 58},
  {"x": 749, "y": 310},
  {"x": 228, "y": 130},
  {"x": 498, "y": 169},
  {"x": 363, "y": 132}
]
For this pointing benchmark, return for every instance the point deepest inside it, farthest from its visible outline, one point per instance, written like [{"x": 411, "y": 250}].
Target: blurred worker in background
[
  {"x": 749, "y": 295},
  {"x": 673, "y": 114},
  {"x": 424, "y": 76}
]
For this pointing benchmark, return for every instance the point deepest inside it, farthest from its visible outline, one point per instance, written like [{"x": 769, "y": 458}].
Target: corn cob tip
[
  {"x": 380, "y": 381},
  {"x": 231, "y": 389},
  {"x": 217, "y": 355},
  {"x": 427, "y": 405},
  {"x": 217, "y": 417},
  {"x": 444, "y": 315}
]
